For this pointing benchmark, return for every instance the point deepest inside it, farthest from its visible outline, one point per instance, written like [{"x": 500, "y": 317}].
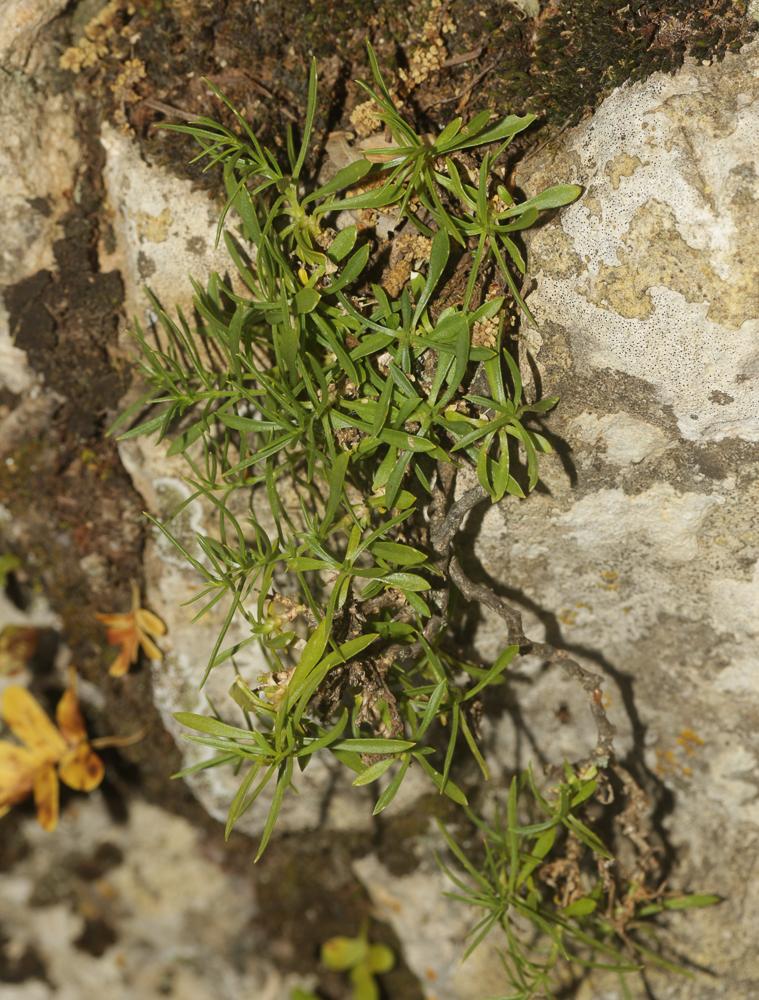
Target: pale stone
[
  {"x": 645, "y": 564},
  {"x": 625, "y": 440},
  {"x": 165, "y": 230},
  {"x": 20, "y": 24},
  {"x": 653, "y": 271},
  {"x": 156, "y": 899},
  {"x": 38, "y": 158}
]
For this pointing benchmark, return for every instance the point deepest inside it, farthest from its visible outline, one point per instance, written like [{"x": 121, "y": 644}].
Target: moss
[{"x": 574, "y": 54}]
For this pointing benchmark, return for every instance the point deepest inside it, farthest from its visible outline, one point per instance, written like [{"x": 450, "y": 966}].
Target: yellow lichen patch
[
  {"x": 95, "y": 44},
  {"x": 666, "y": 763},
  {"x": 408, "y": 249},
  {"x": 654, "y": 253},
  {"x": 365, "y": 120},
  {"x": 621, "y": 166},
  {"x": 689, "y": 741},
  {"x": 671, "y": 761},
  {"x": 123, "y": 86},
  {"x": 610, "y": 578},
  {"x": 429, "y": 53},
  {"x": 154, "y": 228},
  {"x": 485, "y": 331}
]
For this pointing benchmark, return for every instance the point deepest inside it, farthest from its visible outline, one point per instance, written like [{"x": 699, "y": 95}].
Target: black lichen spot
[
  {"x": 96, "y": 937},
  {"x": 40, "y": 205},
  {"x": 196, "y": 244},
  {"x": 93, "y": 866},
  {"x": 722, "y": 398},
  {"x": 145, "y": 265},
  {"x": 18, "y": 966}
]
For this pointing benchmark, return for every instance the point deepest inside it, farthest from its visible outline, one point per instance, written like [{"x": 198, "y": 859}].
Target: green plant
[
  {"x": 353, "y": 413},
  {"x": 546, "y": 879},
  {"x": 362, "y": 960}
]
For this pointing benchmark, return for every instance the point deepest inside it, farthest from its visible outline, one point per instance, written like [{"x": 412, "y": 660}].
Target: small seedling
[{"x": 361, "y": 960}]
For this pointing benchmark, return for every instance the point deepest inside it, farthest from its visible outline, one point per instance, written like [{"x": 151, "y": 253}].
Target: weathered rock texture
[
  {"x": 122, "y": 910},
  {"x": 38, "y": 159},
  {"x": 20, "y": 23},
  {"x": 641, "y": 554}
]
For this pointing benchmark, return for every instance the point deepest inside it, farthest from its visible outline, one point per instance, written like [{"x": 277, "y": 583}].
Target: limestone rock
[
  {"x": 38, "y": 161},
  {"x": 20, "y": 23},
  {"x": 433, "y": 931},
  {"x": 164, "y": 229},
  {"x": 122, "y": 910},
  {"x": 652, "y": 273},
  {"x": 640, "y": 555}
]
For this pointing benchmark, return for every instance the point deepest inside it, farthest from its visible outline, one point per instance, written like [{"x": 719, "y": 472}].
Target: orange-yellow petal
[
  {"x": 150, "y": 623},
  {"x": 69, "y": 718},
  {"x": 149, "y": 647},
  {"x": 46, "y": 797},
  {"x": 17, "y": 769},
  {"x": 121, "y": 620},
  {"x": 121, "y": 664},
  {"x": 31, "y": 724},
  {"x": 81, "y": 769}
]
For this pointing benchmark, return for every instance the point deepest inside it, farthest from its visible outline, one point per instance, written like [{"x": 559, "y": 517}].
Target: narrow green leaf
[
  {"x": 375, "y": 745},
  {"x": 374, "y": 771},
  {"x": 343, "y": 243},
  {"x": 439, "y": 253},
  {"x": 312, "y": 653},
  {"x": 335, "y": 481},
  {"x": 326, "y": 739},
  {"x": 391, "y": 791},
  {"x": 501, "y": 663},
  {"x": 406, "y": 581},
  {"x": 344, "y": 178},
  {"x": 553, "y": 197},
  {"x": 350, "y": 271},
  {"x": 449, "y": 788},
  {"x": 283, "y": 783},
  {"x": 309, "y": 122},
  {"x": 398, "y": 553},
  {"x": 306, "y": 300},
  {"x": 208, "y": 724}
]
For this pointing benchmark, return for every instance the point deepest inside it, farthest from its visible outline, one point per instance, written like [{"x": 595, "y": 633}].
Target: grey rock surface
[
  {"x": 38, "y": 159},
  {"x": 641, "y": 553},
  {"x": 121, "y": 910},
  {"x": 20, "y": 23}
]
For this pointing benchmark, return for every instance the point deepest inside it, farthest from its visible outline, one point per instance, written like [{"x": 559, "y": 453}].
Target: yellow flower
[
  {"x": 132, "y": 630},
  {"x": 49, "y": 753}
]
